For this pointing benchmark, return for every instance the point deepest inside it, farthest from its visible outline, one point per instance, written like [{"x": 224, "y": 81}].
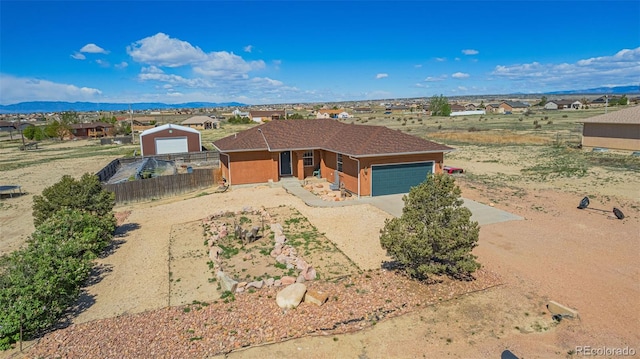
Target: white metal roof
[{"x": 168, "y": 126}]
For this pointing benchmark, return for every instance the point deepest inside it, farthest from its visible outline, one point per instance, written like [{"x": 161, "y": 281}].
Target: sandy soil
[{"x": 585, "y": 259}]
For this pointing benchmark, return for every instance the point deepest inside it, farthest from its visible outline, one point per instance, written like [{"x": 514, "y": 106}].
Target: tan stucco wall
[{"x": 613, "y": 136}]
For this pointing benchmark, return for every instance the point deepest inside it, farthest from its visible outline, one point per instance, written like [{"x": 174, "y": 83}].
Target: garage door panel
[
  {"x": 398, "y": 178},
  {"x": 171, "y": 145}
]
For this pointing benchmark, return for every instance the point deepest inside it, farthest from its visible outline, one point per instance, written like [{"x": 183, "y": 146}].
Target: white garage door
[{"x": 171, "y": 145}]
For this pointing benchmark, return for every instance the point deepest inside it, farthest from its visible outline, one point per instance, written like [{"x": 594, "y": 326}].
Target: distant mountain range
[
  {"x": 635, "y": 89},
  {"x": 59, "y": 106}
]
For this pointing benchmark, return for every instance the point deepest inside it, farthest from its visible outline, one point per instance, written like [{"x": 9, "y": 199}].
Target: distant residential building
[
  {"x": 200, "y": 122},
  {"x": 563, "y": 104},
  {"x": 457, "y": 108},
  {"x": 618, "y": 129},
  {"x": 513, "y": 106},
  {"x": 267, "y": 115}
]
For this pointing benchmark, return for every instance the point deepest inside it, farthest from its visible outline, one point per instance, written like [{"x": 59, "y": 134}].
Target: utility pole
[
  {"x": 606, "y": 103},
  {"x": 133, "y": 136}
]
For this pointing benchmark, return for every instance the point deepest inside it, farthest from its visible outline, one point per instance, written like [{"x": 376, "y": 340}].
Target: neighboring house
[
  {"x": 604, "y": 100},
  {"x": 344, "y": 114},
  {"x": 170, "y": 138},
  {"x": 368, "y": 160},
  {"x": 513, "y": 106},
  {"x": 470, "y": 107},
  {"x": 494, "y": 108},
  {"x": 457, "y": 108},
  {"x": 239, "y": 113},
  {"x": 201, "y": 122},
  {"x": 616, "y": 130},
  {"x": 563, "y": 104},
  {"x": 268, "y": 115},
  {"x": 7, "y": 126},
  {"x": 362, "y": 110},
  {"x": 91, "y": 130},
  {"x": 328, "y": 113}
]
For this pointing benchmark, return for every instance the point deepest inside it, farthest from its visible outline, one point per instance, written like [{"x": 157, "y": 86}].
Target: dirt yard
[{"x": 586, "y": 259}]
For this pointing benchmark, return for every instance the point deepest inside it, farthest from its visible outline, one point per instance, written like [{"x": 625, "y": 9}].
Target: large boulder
[
  {"x": 291, "y": 296},
  {"x": 316, "y": 297},
  {"x": 226, "y": 282}
]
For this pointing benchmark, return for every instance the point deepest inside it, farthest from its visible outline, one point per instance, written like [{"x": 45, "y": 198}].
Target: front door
[{"x": 285, "y": 163}]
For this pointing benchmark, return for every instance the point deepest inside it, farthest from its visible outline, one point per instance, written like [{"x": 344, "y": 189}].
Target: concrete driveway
[
  {"x": 481, "y": 213},
  {"x": 393, "y": 204}
]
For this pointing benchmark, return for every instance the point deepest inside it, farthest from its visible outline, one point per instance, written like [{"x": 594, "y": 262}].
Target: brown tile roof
[
  {"x": 90, "y": 125},
  {"x": 629, "y": 115},
  {"x": 267, "y": 113},
  {"x": 328, "y": 134}
]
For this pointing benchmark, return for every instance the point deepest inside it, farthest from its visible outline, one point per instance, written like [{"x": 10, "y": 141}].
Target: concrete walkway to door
[{"x": 393, "y": 204}]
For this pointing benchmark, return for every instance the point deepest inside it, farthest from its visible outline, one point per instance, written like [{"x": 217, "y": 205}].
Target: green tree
[
  {"x": 543, "y": 101},
  {"x": 434, "y": 235},
  {"x": 439, "y": 106},
  {"x": 85, "y": 194},
  {"x": 623, "y": 100}
]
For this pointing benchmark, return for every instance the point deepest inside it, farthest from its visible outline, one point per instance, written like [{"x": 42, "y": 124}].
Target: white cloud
[
  {"x": 19, "y": 89},
  {"x": 417, "y": 66},
  {"x": 434, "y": 79},
  {"x": 381, "y": 76},
  {"x": 121, "y": 65},
  {"x": 622, "y": 68},
  {"x": 460, "y": 75},
  {"x": 276, "y": 64},
  {"x": 162, "y": 50},
  {"x": 103, "y": 63},
  {"x": 441, "y": 59},
  {"x": 93, "y": 49},
  {"x": 78, "y": 56},
  {"x": 470, "y": 52},
  {"x": 248, "y": 48}
]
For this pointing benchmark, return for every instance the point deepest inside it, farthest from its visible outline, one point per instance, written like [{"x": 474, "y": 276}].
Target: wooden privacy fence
[{"x": 163, "y": 186}]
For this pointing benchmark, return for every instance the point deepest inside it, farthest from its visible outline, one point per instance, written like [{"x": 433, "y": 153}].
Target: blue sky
[{"x": 267, "y": 52}]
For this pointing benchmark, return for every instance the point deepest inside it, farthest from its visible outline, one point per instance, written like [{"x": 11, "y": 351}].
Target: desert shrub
[
  {"x": 549, "y": 122},
  {"x": 435, "y": 234},
  {"x": 85, "y": 194},
  {"x": 535, "y": 122},
  {"x": 40, "y": 282},
  {"x": 565, "y": 116},
  {"x": 546, "y": 118},
  {"x": 520, "y": 119},
  {"x": 473, "y": 129},
  {"x": 537, "y": 126}
]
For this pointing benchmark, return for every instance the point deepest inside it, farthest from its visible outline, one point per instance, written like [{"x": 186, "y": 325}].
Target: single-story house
[
  {"x": 457, "y": 108},
  {"x": 616, "y": 130},
  {"x": 201, "y": 122},
  {"x": 329, "y": 113},
  {"x": 563, "y": 104},
  {"x": 269, "y": 115},
  {"x": 170, "y": 138},
  {"x": 7, "y": 126},
  {"x": 494, "y": 108},
  {"x": 513, "y": 106},
  {"x": 91, "y": 129},
  {"x": 367, "y": 160}
]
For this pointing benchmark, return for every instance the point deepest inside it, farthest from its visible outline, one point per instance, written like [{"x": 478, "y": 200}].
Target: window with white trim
[
  {"x": 307, "y": 158},
  {"x": 339, "y": 163}
]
